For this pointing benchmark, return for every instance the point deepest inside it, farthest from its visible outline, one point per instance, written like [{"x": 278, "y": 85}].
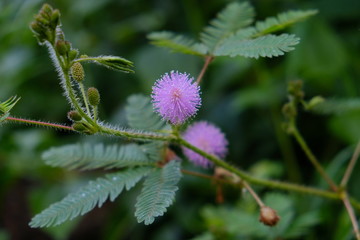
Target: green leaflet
[
  {"x": 337, "y": 106},
  {"x": 140, "y": 114},
  {"x": 90, "y": 196},
  {"x": 265, "y": 46},
  {"x": 231, "y": 19},
  {"x": 158, "y": 192},
  {"x": 88, "y": 156},
  {"x": 177, "y": 43},
  {"x": 111, "y": 62},
  {"x": 281, "y": 21}
]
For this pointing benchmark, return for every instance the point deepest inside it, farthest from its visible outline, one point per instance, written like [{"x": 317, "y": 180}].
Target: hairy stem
[
  {"x": 351, "y": 166},
  {"x": 39, "y": 123},
  {"x": 84, "y": 98},
  {"x": 208, "y": 60},
  {"x": 312, "y": 158},
  {"x": 135, "y": 135}
]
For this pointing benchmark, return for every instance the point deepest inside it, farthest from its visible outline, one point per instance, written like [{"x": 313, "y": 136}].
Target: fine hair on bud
[
  {"x": 93, "y": 96},
  {"x": 77, "y": 72}
]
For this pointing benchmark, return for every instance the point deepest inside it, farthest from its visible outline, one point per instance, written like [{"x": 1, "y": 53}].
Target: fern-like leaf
[
  {"x": 234, "y": 17},
  {"x": 265, "y": 46},
  {"x": 177, "y": 43},
  {"x": 158, "y": 192},
  {"x": 141, "y": 115},
  {"x": 112, "y": 62},
  {"x": 337, "y": 106},
  {"x": 281, "y": 21},
  {"x": 92, "y": 195},
  {"x": 87, "y": 156}
]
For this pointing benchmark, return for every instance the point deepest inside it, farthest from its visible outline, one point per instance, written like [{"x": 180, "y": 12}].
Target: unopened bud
[
  {"x": 36, "y": 27},
  {"x": 46, "y": 10},
  {"x": 55, "y": 18},
  {"x": 62, "y": 47},
  {"x": 289, "y": 110},
  {"x": 80, "y": 127},
  {"x": 73, "y": 54},
  {"x": 74, "y": 116},
  {"x": 295, "y": 89},
  {"x": 77, "y": 72},
  {"x": 268, "y": 216},
  {"x": 93, "y": 96}
]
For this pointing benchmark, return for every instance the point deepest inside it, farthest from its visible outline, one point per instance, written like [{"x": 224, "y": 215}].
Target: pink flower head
[
  {"x": 208, "y": 138},
  {"x": 176, "y": 97}
]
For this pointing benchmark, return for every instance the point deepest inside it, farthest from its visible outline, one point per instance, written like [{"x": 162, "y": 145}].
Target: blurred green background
[{"x": 242, "y": 96}]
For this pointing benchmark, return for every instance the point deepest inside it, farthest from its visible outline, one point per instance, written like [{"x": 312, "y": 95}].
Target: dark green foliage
[
  {"x": 85, "y": 199},
  {"x": 158, "y": 192}
]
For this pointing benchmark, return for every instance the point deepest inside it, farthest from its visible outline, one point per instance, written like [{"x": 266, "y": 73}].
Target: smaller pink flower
[
  {"x": 175, "y": 97},
  {"x": 208, "y": 138}
]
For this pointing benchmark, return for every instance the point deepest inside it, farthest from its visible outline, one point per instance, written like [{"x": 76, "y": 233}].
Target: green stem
[
  {"x": 39, "y": 123},
  {"x": 269, "y": 183},
  {"x": 312, "y": 158},
  {"x": 81, "y": 85}
]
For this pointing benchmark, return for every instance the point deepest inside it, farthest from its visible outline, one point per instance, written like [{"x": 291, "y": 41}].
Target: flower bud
[
  {"x": 93, "y": 96},
  {"x": 62, "y": 47},
  {"x": 289, "y": 110},
  {"x": 268, "y": 216},
  {"x": 73, "y": 53},
  {"x": 80, "y": 127},
  {"x": 74, "y": 116},
  {"x": 77, "y": 72},
  {"x": 55, "y": 18}
]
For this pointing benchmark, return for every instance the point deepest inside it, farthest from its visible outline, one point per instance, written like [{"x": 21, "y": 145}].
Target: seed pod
[
  {"x": 77, "y": 72},
  {"x": 74, "y": 116},
  {"x": 93, "y": 96},
  {"x": 268, "y": 216}
]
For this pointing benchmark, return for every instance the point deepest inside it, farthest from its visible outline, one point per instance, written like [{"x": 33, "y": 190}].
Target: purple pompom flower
[
  {"x": 176, "y": 97},
  {"x": 208, "y": 138}
]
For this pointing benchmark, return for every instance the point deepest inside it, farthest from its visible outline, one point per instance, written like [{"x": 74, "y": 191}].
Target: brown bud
[{"x": 268, "y": 216}]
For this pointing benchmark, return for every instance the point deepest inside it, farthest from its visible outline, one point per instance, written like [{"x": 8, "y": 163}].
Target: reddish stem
[{"x": 39, "y": 123}]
